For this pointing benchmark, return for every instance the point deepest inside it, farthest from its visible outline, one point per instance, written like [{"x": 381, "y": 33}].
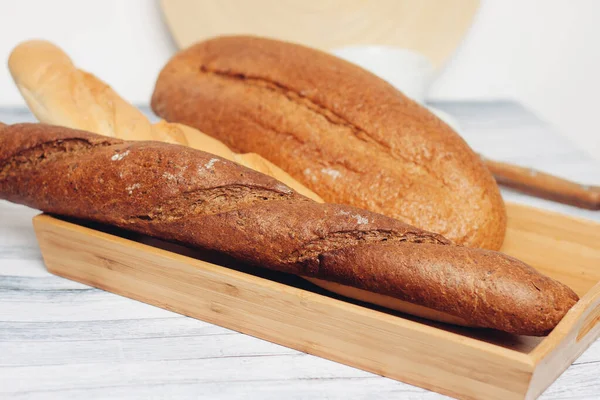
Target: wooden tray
[{"x": 460, "y": 362}]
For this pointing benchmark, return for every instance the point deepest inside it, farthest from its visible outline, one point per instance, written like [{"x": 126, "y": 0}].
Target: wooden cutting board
[{"x": 432, "y": 27}]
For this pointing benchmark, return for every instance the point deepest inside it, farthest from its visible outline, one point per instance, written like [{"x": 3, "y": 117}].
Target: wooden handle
[{"x": 544, "y": 185}]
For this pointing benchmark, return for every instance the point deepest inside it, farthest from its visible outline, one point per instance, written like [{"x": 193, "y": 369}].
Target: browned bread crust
[
  {"x": 58, "y": 93},
  {"x": 189, "y": 196},
  {"x": 340, "y": 130}
]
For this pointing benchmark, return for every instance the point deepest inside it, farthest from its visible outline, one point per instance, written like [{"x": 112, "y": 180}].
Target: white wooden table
[{"x": 61, "y": 339}]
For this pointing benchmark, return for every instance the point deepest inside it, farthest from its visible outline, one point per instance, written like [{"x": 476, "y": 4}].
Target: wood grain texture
[
  {"x": 430, "y": 27},
  {"x": 133, "y": 350}
]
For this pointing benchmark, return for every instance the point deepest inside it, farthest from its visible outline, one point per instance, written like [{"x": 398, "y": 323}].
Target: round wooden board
[{"x": 432, "y": 27}]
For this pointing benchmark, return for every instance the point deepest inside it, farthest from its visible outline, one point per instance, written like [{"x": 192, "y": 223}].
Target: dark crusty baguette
[
  {"x": 338, "y": 129},
  {"x": 185, "y": 195}
]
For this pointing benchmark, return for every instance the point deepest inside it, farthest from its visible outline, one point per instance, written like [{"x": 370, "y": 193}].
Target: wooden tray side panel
[
  {"x": 373, "y": 341},
  {"x": 575, "y": 333},
  {"x": 564, "y": 248},
  {"x": 567, "y": 249}
]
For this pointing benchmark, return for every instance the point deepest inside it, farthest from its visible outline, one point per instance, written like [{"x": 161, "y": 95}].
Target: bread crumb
[
  {"x": 131, "y": 188},
  {"x": 360, "y": 219},
  {"x": 120, "y": 156},
  {"x": 169, "y": 176},
  {"x": 334, "y": 173},
  {"x": 211, "y": 163},
  {"x": 179, "y": 175}
]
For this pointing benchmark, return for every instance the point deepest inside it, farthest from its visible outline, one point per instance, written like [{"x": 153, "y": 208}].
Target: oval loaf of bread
[{"x": 346, "y": 134}]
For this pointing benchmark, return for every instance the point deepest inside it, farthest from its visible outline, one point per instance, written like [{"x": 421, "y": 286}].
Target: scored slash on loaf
[{"x": 188, "y": 196}]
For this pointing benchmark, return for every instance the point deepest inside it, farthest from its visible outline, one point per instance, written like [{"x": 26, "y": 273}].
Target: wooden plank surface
[{"x": 61, "y": 339}]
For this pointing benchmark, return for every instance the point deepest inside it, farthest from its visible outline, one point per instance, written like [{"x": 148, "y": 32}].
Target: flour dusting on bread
[{"x": 120, "y": 156}]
